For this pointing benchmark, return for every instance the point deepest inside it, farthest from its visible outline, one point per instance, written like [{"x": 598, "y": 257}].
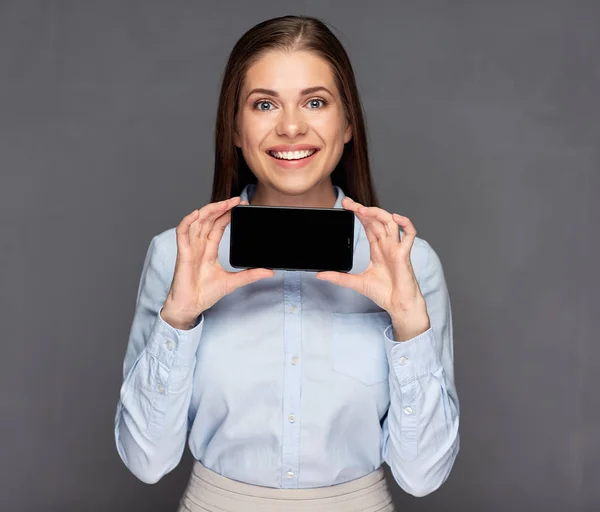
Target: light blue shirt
[{"x": 290, "y": 382}]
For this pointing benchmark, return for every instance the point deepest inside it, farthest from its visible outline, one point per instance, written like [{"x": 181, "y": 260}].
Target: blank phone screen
[{"x": 291, "y": 238}]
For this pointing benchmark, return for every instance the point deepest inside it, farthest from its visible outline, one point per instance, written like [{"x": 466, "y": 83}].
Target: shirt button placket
[{"x": 292, "y": 379}]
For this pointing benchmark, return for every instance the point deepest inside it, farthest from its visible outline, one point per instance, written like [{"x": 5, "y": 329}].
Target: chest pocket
[{"x": 357, "y": 346}]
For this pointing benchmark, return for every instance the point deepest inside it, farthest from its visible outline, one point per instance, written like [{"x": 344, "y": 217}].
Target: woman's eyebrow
[{"x": 275, "y": 94}]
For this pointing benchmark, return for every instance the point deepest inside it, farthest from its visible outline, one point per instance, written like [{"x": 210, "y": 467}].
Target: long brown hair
[{"x": 291, "y": 33}]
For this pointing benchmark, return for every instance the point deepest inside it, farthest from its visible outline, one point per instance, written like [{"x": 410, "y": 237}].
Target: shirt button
[
  {"x": 408, "y": 410},
  {"x": 292, "y": 418},
  {"x": 161, "y": 389},
  {"x": 170, "y": 345},
  {"x": 290, "y": 474},
  {"x": 293, "y": 309},
  {"x": 294, "y": 360},
  {"x": 403, "y": 360}
]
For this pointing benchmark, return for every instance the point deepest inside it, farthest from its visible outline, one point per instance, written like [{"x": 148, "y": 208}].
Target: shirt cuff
[
  {"x": 173, "y": 346},
  {"x": 413, "y": 358}
]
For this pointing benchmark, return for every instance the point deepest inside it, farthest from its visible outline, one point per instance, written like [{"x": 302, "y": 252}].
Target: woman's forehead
[{"x": 289, "y": 72}]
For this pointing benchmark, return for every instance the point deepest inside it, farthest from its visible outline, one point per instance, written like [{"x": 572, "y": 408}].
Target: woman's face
[{"x": 291, "y": 128}]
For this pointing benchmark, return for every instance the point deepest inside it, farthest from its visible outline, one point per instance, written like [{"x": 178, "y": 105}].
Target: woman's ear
[{"x": 348, "y": 133}]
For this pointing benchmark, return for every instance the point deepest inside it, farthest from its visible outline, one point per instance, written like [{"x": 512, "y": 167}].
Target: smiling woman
[
  {"x": 291, "y": 134},
  {"x": 289, "y": 86},
  {"x": 294, "y": 387}
]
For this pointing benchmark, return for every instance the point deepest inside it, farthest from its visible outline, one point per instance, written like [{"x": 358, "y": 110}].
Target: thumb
[
  {"x": 250, "y": 275},
  {"x": 353, "y": 281}
]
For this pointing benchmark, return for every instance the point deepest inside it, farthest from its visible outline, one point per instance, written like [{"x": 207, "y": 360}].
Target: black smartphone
[{"x": 291, "y": 238}]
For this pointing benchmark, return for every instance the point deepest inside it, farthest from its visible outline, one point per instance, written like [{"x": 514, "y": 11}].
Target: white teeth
[{"x": 292, "y": 155}]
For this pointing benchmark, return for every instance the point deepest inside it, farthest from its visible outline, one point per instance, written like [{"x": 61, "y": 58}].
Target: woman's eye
[
  {"x": 266, "y": 105},
  {"x": 263, "y": 105},
  {"x": 316, "y": 103}
]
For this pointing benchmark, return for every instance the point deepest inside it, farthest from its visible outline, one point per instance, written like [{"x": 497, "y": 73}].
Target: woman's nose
[{"x": 291, "y": 123}]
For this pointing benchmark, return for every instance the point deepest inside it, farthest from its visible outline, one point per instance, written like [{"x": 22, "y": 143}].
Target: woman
[{"x": 294, "y": 386}]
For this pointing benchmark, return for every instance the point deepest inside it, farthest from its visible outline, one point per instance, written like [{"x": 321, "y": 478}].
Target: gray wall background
[{"x": 484, "y": 129}]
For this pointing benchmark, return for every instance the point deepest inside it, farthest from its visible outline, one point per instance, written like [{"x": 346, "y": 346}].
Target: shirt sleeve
[
  {"x": 151, "y": 421},
  {"x": 420, "y": 431}
]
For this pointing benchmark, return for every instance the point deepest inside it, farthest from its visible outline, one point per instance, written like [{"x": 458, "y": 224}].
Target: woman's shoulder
[
  {"x": 421, "y": 249},
  {"x": 164, "y": 247},
  {"x": 424, "y": 259},
  {"x": 166, "y": 240}
]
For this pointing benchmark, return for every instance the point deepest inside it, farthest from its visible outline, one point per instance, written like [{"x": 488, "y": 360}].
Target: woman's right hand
[{"x": 199, "y": 280}]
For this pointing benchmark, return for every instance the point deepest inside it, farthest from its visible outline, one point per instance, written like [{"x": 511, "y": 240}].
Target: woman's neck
[{"x": 324, "y": 197}]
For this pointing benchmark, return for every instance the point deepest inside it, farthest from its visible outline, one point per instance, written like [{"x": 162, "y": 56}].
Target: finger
[
  {"x": 182, "y": 231},
  {"x": 213, "y": 239},
  {"x": 378, "y": 223},
  {"x": 251, "y": 275},
  {"x": 371, "y": 231},
  {"x": 352, "y": 281},
  {"x": 374, "y": 228},
  {"x": 409, "y": 229},
  {"x": 350, "y": 204},
  {"x": 212, "y": 214},
  {"x": 205, "y": 214},
  {"x": 388, "y": 226}
]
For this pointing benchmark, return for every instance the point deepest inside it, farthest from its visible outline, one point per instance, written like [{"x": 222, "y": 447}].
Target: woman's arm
[
  {"x": 420, "y": 432},
  {"x": 151, "y": 421}
]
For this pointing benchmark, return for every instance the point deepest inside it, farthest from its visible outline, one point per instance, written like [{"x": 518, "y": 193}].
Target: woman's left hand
[{"x": 389, "y": 280}]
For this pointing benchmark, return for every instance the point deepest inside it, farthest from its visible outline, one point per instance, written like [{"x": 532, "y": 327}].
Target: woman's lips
[{"x": 292, "y": 164}]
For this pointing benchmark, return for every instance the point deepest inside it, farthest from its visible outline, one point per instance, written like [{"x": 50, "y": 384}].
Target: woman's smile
[{"x": 292, "y": 156}]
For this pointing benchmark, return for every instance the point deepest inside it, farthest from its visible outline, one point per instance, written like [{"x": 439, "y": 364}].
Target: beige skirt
[{"x": 208, "y": 491}]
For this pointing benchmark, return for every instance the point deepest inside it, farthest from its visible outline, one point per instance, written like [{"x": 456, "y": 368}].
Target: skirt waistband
[{"x": 209, "y": 491}]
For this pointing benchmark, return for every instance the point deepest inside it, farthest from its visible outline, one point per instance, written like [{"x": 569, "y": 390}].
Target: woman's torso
[{"x": 291, "y": 377}]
